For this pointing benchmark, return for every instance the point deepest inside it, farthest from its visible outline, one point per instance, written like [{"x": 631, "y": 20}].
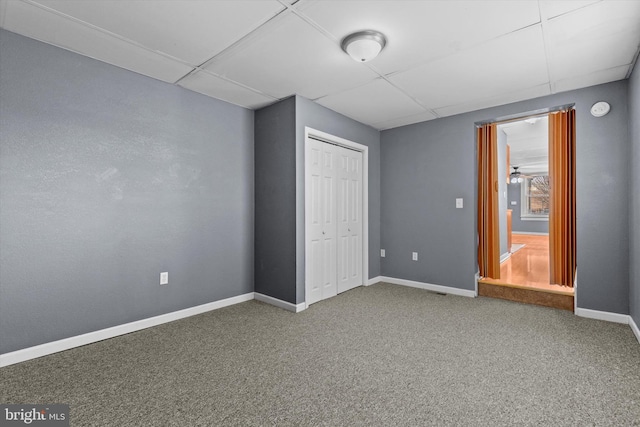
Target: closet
[{"x": 334, "y": 225}]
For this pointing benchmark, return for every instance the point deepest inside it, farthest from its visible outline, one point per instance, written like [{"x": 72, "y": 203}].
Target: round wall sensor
[{"x": 600, "y": 109}]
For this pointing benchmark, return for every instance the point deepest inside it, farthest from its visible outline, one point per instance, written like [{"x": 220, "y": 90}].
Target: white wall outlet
[
  {"x": 415, "y": 256},
  {"x": 459, "y": 203},
  {"x": 382, "y": 253},
  {"x": 513, "y": 203},
  {"x": 164, "y": 278}
]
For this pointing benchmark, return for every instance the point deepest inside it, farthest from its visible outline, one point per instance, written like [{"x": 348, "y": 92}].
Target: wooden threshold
[{"x": 561, "y": 298}]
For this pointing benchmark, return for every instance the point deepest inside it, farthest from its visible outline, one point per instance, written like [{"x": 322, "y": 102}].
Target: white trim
[
  {"x": 534, "y": 218},
  {"x": 603, "y": 315},
  {"x": 430, "y": 287},
  {"x": 365, "y": 198},
  {"x": 634, "y": 328},
  {"x": 296, "y": 308},
  {"x": 476, "y": 278},
  {"x": 575, "y": 291},
  {"x": 533, "y": 233},
  {"x": 103, "y": 334},
  {"x": 505, "y": 256},
  {"x": 373, "y": 281}
]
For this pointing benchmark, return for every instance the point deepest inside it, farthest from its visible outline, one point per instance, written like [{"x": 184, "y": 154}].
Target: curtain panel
[
  {"x": 488, "y": 232},
  {"x": 562, "y": 203}
]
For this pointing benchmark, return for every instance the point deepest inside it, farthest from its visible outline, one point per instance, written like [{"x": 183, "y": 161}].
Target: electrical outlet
[
  {"x": 382, "y": 253},
  {"x": 164, "y": 278},
  {"x": 415, "y": 256},
  {"x": 459, "y": 203},
  {"x": 514, "y": 203}
]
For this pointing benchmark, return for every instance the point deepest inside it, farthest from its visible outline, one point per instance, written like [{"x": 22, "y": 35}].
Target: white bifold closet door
[{"x": 334, "y": 209}]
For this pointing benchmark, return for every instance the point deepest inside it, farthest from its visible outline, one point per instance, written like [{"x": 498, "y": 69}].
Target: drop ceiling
[
  {"x": 529, "y": 144},
  {"x": 442, "y": 57}
]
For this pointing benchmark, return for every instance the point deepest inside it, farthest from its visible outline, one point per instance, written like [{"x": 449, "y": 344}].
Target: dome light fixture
[{"x": 363, "y": 46}]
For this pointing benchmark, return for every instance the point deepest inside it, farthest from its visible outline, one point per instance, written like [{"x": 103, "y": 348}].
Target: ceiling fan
[{"x": 516, "y": 176}]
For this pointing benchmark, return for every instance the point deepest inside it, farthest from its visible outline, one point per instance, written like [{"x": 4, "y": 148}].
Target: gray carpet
[{"x": 384, "y": 355}]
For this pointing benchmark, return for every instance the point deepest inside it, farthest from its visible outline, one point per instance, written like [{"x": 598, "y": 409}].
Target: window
[{"x": 535, "y": 197}]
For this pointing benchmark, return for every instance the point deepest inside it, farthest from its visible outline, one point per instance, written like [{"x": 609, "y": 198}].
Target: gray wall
[
  {"x": 275, "y": 200},
  {"x": 315, "y": 116},
  {"x": 514, "y": 194},
  {"x": 502, "y": 191},
  {"x": 425, "y": 166},
  {"x": 634, "y": 177},
  {"x": 280, "y": 225},
  {"x": 108, "y": 178}
]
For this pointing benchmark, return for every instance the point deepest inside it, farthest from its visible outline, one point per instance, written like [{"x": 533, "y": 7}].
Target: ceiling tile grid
[
  {"x": 291, "y": 57},
  {"x": 46, "y": 25},
  {"x": 363, "y": 102},
  {"x": 442, "y": 57},
  {"x": 192, "y": 34}
]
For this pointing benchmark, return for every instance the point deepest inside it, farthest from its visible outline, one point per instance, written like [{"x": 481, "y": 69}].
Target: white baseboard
[
  {"x": 296, "y": 308},
  {"x": 25, "y": 354},
  {"x": 532, "y": 233},
  {"x": 373, "y": 281},
  {"x": 430, "y": 287},
  {"x": 603, "y": 315},
  {"x": 505, "y": 257},
  {"x": 634, "y": 328}
]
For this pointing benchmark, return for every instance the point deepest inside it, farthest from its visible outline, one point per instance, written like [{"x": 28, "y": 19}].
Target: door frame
[{"x": 336, "y": 140}]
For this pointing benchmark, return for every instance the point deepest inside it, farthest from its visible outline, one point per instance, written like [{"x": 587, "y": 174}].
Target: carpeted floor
[{"x": 384, "y": 355}]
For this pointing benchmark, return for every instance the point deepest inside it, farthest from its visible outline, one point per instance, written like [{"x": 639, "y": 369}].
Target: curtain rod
[{"x": 521, "y": 116}]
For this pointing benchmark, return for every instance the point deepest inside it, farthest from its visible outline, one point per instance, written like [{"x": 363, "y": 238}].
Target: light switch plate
[
  {"x": 382, "y": 253},
  {"x": 415, "y": 256},
  {"x": 459, "y": 203},
  {"x": 513, "y": 203},
  {"x": 164, "y": 278}
]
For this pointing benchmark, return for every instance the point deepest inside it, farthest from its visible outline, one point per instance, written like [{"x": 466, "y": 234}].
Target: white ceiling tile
[
  {"x": 40, "y": 24},
  {"x": 216, "y": 87},
  {"x": 600, "y": 36},
  {"x": 190, "y": 31},
  {"x": 500, "y": 66},
  {"x": 595, "y": 78},
  {"x": 519, "y": 95},
  {"x": 287, "y": 56},
  {"x": 402, "y": 121},
  {"x": 419, "y": 31},
  {"x": 363, "y": 103},
  {"x": 552, "y": 8}
]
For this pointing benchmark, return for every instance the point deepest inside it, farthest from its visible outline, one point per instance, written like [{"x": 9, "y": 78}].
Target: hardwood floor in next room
[{"x": 526, "y": 270}]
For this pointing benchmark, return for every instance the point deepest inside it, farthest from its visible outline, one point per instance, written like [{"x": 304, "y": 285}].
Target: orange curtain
[
  {"x": 488, "y": 233},
  {"x": 562, "y": 201}
]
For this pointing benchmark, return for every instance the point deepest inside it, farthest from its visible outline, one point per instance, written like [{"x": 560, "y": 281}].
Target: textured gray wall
[
  {"x": 275, "y": 196},
  {"x": 310, "y": 114},
  {"x": 634, "y": 176},
  {"x": 514, "y": 194},
  {"x": 427, "y": 165},
  {"x": 424, "y": 168},
  {"x": 108, "y": 178},
  {"x": 502, "y": 191}
]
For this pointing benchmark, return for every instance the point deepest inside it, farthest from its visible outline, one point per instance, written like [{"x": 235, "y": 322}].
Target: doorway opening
[{"x": 523, "y": 197}]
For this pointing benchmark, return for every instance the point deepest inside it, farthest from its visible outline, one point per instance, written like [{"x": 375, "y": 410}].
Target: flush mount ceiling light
[{"x": 363, "y": 46}]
